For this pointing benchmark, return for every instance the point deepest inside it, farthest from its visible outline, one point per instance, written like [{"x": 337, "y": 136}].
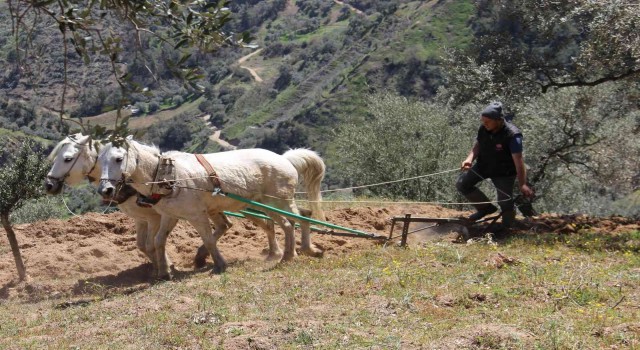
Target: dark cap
[{"x": 493, "y": 111}]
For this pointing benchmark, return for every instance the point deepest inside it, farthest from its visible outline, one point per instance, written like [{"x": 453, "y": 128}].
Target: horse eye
[
  {"x": 68, "y": 159},
  {"x": 119, "y": 159}
]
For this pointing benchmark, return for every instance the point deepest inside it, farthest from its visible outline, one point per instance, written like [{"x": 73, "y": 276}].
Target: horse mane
[
  {"x": 149, "y": 147},
  {"x": 57, "y": 148},
  {"x": 67, "y": 140}
]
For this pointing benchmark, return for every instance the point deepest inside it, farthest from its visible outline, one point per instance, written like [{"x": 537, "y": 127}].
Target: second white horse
[{"x": 256, "y": 174}]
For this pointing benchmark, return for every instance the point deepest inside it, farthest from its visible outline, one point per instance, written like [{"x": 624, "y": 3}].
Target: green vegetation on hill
[
  {"x": 320, "y": 62},
  {"x": 315, "y": 54}
]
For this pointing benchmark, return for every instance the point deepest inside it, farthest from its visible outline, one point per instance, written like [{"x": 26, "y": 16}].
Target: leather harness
[{"x": 215, "y": 180}]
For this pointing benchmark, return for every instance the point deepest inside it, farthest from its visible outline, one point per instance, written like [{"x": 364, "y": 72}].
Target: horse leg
[
  {"x": 153, "y": 225},
  {"x": 289, "y": 237},
  {"x": 275, "y": 253},
  {"x": 305, "y": 239},
  {"x": 211, "y": 240},
  {"x": 141, "y": 238},
  {"x": 166, "y": 225},
  {"x": 200, "y": 259}
]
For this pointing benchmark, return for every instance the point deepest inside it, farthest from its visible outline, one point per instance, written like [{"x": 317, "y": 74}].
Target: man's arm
[
  {"x": 466, "y": 164},
  {"x": 521, "y": 172}
]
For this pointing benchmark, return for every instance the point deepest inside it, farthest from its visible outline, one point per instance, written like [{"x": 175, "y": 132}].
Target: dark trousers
[{"x": 468, "y": 180}]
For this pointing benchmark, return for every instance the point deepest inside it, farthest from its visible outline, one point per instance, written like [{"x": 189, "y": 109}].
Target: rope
[
  {"x": 355, "y": 187},
  {"x": 403, "y": 202},
  {"x": 389, "y": 182},
  {"x": 65, "y": 202},
  {"x": 184, "y": 178},
  {"x": 74, "y": 214}
]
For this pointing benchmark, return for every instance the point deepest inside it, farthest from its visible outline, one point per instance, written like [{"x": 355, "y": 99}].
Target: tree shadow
[
  {"x": 89, "y": 290},
  {"x": 4, "y": 291},
  {"x": 123, "y": 279}
]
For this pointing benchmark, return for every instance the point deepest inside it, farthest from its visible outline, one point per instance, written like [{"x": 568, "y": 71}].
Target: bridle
[
  {"x": 120, "y": 183},
  {"x": 59, "y": 180}
]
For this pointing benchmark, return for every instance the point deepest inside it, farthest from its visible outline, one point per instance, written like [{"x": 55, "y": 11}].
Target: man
[{"x": 498, "y": 155}]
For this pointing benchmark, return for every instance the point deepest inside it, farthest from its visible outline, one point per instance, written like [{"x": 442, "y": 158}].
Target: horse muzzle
[
  {"x": 52, "y": 185},
  {"x": 106, "y": 189}
]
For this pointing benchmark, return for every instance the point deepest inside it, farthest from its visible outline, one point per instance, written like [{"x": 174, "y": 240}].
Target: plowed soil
[{"x": 69, "y": 257}]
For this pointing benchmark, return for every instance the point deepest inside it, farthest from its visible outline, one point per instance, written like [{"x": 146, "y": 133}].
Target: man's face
[{"x": 490, "y": 124}]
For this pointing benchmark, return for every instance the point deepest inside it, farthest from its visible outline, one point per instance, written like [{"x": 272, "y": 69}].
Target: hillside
[
  {"x": 313, "y": 75},
  {"x": 315, "y": 63},
  {"x": 63, "y": 257}
]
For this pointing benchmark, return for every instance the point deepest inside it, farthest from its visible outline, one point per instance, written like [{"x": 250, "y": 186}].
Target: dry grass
[{"x": 535, "y": 291}]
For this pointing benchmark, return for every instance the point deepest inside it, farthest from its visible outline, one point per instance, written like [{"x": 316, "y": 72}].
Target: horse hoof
[
  {"x": 312, "y": 252},
  {"x": 216, "y": 270},
  {"x": 166, "y": 277},
  {"x": 274, "y": 256},
  {"x": 200, "y": 259},
  {"x": 287, "y": 257},
  {"x": 199, "y": 262}
]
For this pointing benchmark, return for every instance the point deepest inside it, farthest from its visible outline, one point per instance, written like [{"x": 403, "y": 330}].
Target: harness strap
[
  {"x": 125, "y": 192},
  {"x": 212, "y": 173}
]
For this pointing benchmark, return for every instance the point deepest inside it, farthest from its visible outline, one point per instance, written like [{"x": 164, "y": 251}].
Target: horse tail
[{"x": 311, "y": 167}]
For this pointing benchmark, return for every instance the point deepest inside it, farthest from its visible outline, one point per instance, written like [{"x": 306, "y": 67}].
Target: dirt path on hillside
[
  {"x": 349, "y": 6},
  {"x": 215, "y": 137},
  {"x": 254, "y": 74}
]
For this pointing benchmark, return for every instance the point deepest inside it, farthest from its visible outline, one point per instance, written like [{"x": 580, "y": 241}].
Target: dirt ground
[{"x": 66, "y": 258}]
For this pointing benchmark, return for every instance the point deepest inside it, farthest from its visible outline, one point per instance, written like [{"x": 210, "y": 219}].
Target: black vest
[{"x": 494, "y": 157}]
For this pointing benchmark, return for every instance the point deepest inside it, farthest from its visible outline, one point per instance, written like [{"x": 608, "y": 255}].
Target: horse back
[{"x": 249, "y": 172}]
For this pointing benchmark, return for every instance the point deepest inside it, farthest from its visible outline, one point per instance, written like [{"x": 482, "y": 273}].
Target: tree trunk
[{"x": 22, "y": 272}]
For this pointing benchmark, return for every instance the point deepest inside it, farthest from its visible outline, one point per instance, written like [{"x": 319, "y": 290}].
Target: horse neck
[
  {"x": 92, "y": 162},
  {"x": 146, "y": 166}
]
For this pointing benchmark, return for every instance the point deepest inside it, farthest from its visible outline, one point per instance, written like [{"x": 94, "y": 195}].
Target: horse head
[
  {"x": 73, "y": 158},
  {"x": 117, "y": 164}
]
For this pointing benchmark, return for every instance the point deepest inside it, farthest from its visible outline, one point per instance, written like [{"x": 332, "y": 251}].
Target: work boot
[
  {"x": 503, "y": 230},
  {"x": 476, "y": 197},
  {"x": 525, "y": 207},
  {"x": 508, "y": 218}
]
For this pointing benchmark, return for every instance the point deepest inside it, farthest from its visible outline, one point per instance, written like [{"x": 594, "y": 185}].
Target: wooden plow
[
  {"x": 481, "y": 225},
  {"x": 408, "y": 219}
]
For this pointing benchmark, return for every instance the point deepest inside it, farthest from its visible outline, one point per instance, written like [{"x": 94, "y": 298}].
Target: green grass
[
  {"x": 260, "y": 116},
  {"x": 558, "y": 293},
  {"x": 433, "y": 28},
  {"x": 334, "y": 29}
]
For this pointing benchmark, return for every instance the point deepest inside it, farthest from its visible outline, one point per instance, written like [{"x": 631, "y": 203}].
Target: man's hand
[
  {"x": 466, "y": 164},
  {"x": 526, "y": 191}
]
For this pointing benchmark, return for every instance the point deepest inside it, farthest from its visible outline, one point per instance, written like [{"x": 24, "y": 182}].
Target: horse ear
[{"x": 82, "y": 139}]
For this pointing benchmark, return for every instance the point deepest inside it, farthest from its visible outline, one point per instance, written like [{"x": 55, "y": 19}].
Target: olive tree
[
  {"x": 522, "y": 48},
  {"x": 571, "y": 69},
  {"x": 580, "y": 147},
  {"x": 401, "y": 140},
  {"x": 20, "y": 180}
]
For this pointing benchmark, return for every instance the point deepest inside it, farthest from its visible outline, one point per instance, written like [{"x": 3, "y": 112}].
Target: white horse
[
  {"x": 256, "y": 174},
  {"x": 75, "y": 159}
]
